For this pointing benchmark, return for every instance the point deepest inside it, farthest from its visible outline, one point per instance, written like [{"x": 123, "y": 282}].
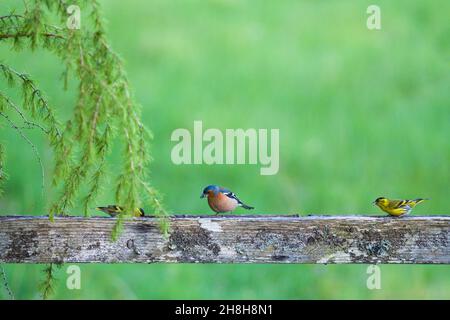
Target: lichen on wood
[{"x": 228, "y": 239}]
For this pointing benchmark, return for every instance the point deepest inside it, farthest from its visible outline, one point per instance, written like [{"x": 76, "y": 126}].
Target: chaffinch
[{"x": 222, "y": 200}]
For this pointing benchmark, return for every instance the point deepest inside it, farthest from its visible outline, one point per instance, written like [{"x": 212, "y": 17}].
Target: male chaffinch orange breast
[{"x": 222, "y": 200}]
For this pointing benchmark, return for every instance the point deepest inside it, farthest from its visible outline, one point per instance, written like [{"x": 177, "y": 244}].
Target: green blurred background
[{"x": 361, "y": 114}]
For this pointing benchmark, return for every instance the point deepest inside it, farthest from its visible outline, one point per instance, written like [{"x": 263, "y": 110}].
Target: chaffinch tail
[
  {"x": 114, "y": 210},
  {"x": 222, "y": 200}
]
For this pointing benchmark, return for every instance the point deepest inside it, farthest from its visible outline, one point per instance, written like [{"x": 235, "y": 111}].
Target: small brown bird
[
  {"x": 397, "y": 208},
  {"x": 114, "y": 210}
]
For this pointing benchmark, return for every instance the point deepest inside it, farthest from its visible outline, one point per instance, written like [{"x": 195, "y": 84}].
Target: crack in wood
[{"x": 228, "y": 239}]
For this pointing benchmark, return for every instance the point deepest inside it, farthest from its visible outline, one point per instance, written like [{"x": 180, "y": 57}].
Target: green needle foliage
[
  {"x": 3, "y": 176},
  {"x": 47, "y": 285},
  {"x": 104, "y": 107}
]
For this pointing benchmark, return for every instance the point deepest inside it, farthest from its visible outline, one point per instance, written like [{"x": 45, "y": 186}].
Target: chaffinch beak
[{"x": 202, "y": 196}]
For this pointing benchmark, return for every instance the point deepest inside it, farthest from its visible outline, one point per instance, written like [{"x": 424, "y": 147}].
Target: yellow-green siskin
[
  {"x": 114, "y": 210},
  {"x": 397, "y": 208}
]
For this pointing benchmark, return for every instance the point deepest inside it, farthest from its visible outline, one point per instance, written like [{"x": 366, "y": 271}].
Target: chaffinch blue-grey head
[{"x": 222, "y": 200}]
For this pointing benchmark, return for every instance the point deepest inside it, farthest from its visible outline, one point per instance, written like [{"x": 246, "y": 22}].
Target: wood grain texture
[{"x": 228, "y": 239}]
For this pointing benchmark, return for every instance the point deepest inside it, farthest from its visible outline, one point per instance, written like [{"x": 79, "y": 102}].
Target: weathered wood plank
[{"x": 228, "y": 239}]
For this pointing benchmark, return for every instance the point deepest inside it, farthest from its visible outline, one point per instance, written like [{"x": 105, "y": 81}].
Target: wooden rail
[{"x": 228, "y": 239}]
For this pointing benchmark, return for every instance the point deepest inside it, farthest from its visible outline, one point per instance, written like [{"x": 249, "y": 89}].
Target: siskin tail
[
  {"x": 417, "y": 201},
  {"x": 112, "y": 210}
]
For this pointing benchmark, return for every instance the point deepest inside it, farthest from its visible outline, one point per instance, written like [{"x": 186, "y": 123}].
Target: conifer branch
[
  {"x": 27, "y": 122},
  {"x": 104, "y": 103},
  {"x": 33, "y": 99},
  {"x": 5, "y": 283},
  {"x": 33, "y": 147},
  {"x": 47, "y": 286},
  {"x": 3, "y": 175}
]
